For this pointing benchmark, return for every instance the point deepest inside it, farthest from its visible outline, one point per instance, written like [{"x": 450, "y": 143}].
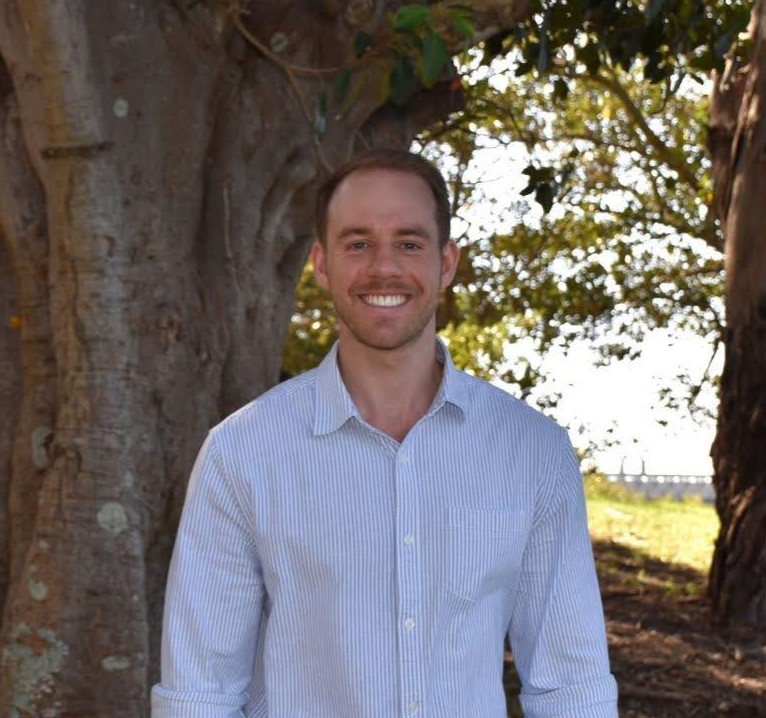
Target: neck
[{"x": 392, "y": 389}]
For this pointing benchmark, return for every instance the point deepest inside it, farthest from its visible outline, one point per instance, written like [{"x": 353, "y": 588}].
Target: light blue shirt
[{"x": 324, "y": 570}]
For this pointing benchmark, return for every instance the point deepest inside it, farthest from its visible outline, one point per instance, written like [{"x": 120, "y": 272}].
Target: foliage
[
  {"x": 668, "y": 37},
  {"x": 312, "y": 329}
]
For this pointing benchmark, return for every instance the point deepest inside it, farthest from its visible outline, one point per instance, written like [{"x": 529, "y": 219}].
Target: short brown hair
[{"x": 387, "y": 159}]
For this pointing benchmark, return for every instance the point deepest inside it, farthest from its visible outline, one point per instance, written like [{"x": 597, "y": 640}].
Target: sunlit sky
[{"x": 620, "y": 403}]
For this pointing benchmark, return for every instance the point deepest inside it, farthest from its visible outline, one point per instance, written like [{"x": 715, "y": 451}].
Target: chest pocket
[{"x": 485, "y": 550}]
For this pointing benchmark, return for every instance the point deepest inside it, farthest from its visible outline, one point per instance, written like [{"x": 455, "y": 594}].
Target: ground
[{"x": 669, "y": 658}]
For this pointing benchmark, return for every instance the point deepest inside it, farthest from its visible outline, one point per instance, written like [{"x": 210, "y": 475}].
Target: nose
[{"x": 384, "y": 262}]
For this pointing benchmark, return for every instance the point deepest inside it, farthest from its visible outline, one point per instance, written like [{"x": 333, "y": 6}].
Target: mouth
[{"x": 384, "y": 300}]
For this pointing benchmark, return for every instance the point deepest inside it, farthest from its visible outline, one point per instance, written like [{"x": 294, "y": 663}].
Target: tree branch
[{"x": 668, "y": 156}]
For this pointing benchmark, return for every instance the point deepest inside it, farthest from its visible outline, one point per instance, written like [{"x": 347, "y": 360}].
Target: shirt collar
[{"x": 334, "y": 405}]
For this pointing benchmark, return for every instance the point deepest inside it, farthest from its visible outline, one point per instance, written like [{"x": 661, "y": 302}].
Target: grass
[{"x": 680, "y": 532}]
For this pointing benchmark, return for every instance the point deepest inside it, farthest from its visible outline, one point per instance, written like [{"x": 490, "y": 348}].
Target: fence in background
[{"x": 677, "y": 486}]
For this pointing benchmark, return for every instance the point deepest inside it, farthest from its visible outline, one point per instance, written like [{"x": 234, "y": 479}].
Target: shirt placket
[{"x": 410, "y": 616}]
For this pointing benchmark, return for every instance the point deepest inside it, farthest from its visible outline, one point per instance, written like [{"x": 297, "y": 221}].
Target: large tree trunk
[
  {"x": 738, "y": 144},
  {"x": 156, "y": 184}
]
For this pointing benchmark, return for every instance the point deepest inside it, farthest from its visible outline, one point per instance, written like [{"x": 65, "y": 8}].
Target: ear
[
  {"x": 319, "y": 262},
  {"x": 450, "y": 256}
]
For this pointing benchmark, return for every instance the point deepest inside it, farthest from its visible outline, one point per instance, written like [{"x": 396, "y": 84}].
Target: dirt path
[{"x": 669, "y": 659}]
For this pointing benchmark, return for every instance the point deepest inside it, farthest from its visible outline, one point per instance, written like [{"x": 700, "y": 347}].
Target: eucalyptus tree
[{"x": 738, "y": 148}]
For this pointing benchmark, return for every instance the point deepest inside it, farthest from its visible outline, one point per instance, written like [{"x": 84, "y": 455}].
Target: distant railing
[{"x": 674, "y": 485}]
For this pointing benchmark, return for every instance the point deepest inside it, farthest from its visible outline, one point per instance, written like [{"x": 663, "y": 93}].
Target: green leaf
[
  {"x": 384, "y": 92},
  {"x": 341, "y": 85},
  {"x": 464, "y": 26},
  {"x": 435, "y": 57},
  {"x": 706, "y": 62},
  {"x": 494, "y": 46},
  {"x": 544, "y": 196},
  {"x": 410, "y": 17},
  {"x": 404, "y": 82},
  {"x": 279, "y": 42},
  {"x": 362, "y": 43},
  {"x": 359, "y": 80},
  {"x": 320, "y": 114},
  {"x": 523, "y": 68},
  {"x": 544, "y": 55},
  {"x": 653, "y": 9},
  {"x": 560, "y": 89},
  {"x": 589, "y": 57},
  {"x": 544, "y": 52}
]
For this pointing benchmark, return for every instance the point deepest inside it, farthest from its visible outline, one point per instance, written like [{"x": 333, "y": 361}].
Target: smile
[{"x": 384, "y": 300}]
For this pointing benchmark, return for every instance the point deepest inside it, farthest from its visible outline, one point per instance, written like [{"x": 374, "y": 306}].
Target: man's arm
[
  {"x": 557, "y": 630},
  {"x": 214, "y": 600}
]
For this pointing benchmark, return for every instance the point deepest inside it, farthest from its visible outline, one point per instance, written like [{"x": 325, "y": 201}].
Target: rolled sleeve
[
  {"x": 214, "y": 600},
  {"x": 187, "y": 704},
  {"x": 557, "y": 631}
]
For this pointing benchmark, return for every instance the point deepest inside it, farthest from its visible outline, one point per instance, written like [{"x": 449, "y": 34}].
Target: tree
[
  {"x": 738, "y": 144},
  {"x": 158, "y": 163}
]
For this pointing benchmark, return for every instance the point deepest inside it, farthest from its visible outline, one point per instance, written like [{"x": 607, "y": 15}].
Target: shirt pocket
[{"x": 484, "y": 550}]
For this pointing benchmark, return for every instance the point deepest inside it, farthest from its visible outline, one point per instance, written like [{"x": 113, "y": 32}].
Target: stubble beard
[{"x": 368, "y": 335}]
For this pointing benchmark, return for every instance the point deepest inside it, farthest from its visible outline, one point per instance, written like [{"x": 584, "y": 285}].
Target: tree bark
[
  {"x": 738, "y": 144},
  {"x": 157, "y": 175}
]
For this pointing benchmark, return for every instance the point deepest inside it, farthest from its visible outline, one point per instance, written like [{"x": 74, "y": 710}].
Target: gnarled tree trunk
[
  {"x": 156, "y": 183},
  {"x": 738, "y": 145}
]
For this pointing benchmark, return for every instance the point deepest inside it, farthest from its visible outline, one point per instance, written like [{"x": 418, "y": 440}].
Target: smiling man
[{"x": 359, "y": 541}]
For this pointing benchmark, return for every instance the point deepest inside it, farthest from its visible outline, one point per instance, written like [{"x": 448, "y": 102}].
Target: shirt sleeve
[
  {"x": 214, "y": 600},
  {"x": 557, "y": 630}
]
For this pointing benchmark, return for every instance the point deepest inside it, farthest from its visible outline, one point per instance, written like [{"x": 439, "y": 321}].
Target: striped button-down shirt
[{"x": 324, "y": 570}]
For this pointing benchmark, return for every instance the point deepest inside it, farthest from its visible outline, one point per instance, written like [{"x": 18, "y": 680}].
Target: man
[{"x": 358, "y": 541}]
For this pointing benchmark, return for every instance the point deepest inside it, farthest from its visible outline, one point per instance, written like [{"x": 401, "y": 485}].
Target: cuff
[{"x": 167, "y": 703}]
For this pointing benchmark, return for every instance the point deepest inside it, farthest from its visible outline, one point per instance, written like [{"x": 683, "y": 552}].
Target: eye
[
  {"x": 357, "y": 245},
  {"x": 411, "y": 246}
]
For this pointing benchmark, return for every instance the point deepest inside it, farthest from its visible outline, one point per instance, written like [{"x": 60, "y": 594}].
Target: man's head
[
  {"x": 396, "y": 161},
  {"x": 385, "y": 253}
]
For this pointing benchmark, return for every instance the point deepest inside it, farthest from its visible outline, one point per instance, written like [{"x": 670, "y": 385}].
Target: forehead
[{"x": 382, "y": 192}]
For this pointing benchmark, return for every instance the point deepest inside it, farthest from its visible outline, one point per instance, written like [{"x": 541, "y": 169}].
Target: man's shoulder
[
  {"x": 497, "y": 405},
  {"x": 286, "y": 401}
]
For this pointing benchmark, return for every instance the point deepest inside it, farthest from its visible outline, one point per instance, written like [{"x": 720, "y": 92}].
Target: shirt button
[
  {"x": 409, "y": 539},
  {"x": 413, "y": 707},
  {"x": 409, "y": 624},
  {"x": 404, "y": 459}
]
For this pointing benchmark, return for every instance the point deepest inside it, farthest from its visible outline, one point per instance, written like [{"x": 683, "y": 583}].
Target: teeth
[{"x": 385, "y": 300}]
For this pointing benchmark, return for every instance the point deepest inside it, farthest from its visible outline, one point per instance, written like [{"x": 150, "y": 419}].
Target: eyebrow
[{"x": 411, "y": 230}]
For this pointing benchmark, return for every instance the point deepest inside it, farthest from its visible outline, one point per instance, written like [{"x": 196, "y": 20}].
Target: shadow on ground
[{"x": 669, "y": 658}]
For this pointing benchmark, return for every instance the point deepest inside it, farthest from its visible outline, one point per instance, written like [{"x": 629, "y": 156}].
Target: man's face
[{"x": 382, "y": 262}]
